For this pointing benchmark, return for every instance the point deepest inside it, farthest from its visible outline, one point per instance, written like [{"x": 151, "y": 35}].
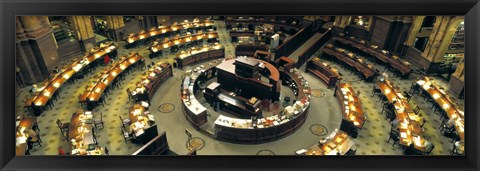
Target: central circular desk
[{"x": 248, "y": 131}]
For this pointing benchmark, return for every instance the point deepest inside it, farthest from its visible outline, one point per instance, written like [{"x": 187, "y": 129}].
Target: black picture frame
[{"x": 9, "y": 9}]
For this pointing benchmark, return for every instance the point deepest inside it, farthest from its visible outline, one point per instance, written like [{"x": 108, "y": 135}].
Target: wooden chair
[
  {"x": 35, "y": 127},
  {"x": 125, "y": 134},
  {"x": 376, "y": 91},
  {"x": 428, "y": 152},
  {"x": 36, "y": 142},
  {"x": 416, "y": 110},
  {"x": 407, "y": 95},
  {"x": 63, "y": 126},
  {"x": 98, "y": 122},
  {"x": 124, "y": 121},
  {"x": 129, "y": 93},
  {"x": 395, "y": 137}
]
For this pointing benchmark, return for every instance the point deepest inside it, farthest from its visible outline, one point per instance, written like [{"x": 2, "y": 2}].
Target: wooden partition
[
  {"x": 292, "y": 43},
  {"x": 305, "y": 55},
  {"x": 156, "y": 146},
  {"x": 249, "y": 50}
]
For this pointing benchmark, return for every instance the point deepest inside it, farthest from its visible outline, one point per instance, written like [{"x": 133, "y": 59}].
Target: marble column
[
  {"x": 116, "y": 27},
  {"x": 414, "y": 29},
  {"x": 36, "y": 48},
  {"x": 83, "y": 28}
]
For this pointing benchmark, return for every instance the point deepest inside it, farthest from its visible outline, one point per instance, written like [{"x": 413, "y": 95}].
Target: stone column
[
  {"x": 414, "y": 29},
  {"x": 116, "y": 28},
  {"x": 83, "y": 28},
  {"x": 36, "y": 48}
]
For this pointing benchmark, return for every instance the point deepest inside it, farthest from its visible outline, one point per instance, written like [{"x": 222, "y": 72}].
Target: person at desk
[
  {"x": 106, "y": 60},
  {"x": 56, "y": 70},
  {"x": 384, "y": 76},
  {"x": 459, "y": 147},
  {"x": 428, "y": 145},
  {"x": 35, "y": 88},
  {"x": 395, "y": 127}
]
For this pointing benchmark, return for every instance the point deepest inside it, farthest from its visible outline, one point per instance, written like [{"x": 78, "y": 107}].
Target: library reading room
[{"x": 239, "y": 85}]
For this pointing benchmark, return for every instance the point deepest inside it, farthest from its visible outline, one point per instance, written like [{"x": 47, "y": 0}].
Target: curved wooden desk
[
  {"x": 194, "y": 111},
  {"x": 42, "y": 97},
  {"x": 195, "y": 55},
  {"x": 328, "y": 75},
  {"x": 182, "y": 40},
  {"x": 94, "y": 91},
  {"x": 409, "y": 122},
  {"x": 150, "y": 82},
  {"x": 366, "y": 69},
  {"x": 443, "y": 100},
  {"x": 394, "y": 61},
  {"x": 336, "y": 143},
  {"x": 351, "y": 105},
  {"x": 155, "y": 31}
]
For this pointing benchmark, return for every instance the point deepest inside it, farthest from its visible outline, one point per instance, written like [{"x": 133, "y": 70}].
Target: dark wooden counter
[
  {"x": 367, "y": 70},
  {"x": 328, "y": 75},
  {"x": 267, "y": 129}
]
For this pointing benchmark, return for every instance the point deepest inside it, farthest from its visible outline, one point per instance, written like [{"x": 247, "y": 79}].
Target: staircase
[
  {"x": 224, "y": 38},
  {"x": 69, "y": 48}
]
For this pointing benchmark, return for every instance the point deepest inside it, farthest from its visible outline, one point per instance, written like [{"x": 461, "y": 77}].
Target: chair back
[
  {"x": 59, "y": 123},
  {"x": 394, "y": 135},
  {"x": 121, "y": 120}
]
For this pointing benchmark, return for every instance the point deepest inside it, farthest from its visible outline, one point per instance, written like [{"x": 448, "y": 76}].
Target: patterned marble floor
[{"x": 324, "y": 113}]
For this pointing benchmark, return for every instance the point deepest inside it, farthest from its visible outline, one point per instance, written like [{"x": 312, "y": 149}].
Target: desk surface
[
  {"x": 41, "y": 98},
  {"x": 21, "y": 145},
  {"x": 444, "y": 101},
  {"x": 139, "y": 119},
  {"x": 409, "y": 122},
  {"x": 81, "y": 130},
  {"x": 94, "y": 90}
]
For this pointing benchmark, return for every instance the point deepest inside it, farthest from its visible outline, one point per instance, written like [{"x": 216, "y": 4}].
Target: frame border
[{"x": 9, "y": 9}]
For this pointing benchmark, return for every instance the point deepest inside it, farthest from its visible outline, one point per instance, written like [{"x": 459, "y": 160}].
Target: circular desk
[{"x": 242, "y": 131}]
